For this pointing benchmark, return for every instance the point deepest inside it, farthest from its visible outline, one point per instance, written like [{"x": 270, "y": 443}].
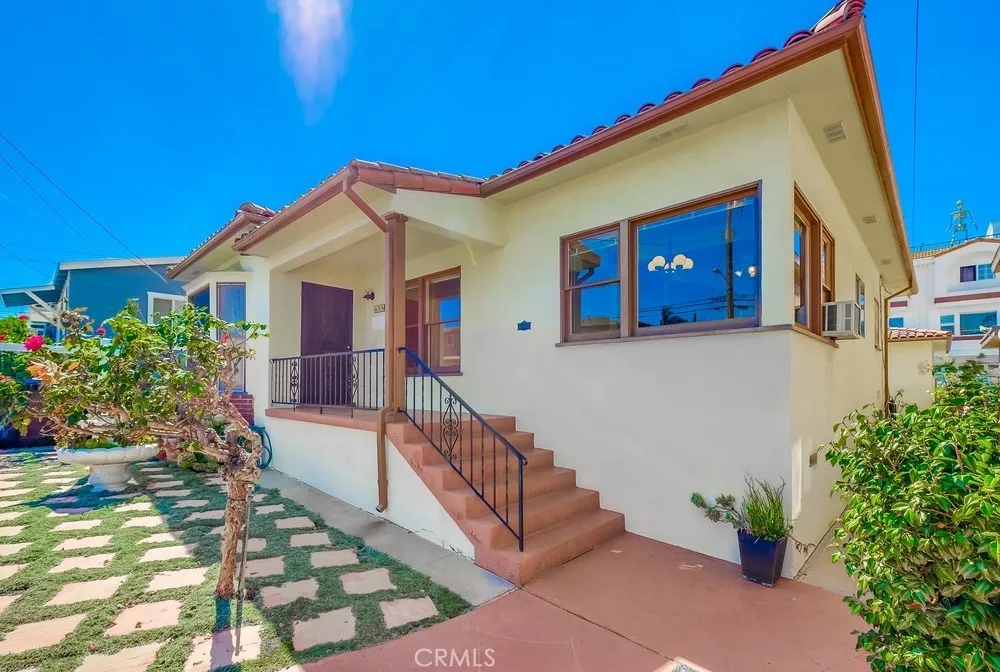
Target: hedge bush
[{"x": 921, "y": 532}]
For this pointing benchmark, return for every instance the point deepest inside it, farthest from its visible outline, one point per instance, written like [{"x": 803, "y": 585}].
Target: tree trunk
[{"x": 236, "y": 513}]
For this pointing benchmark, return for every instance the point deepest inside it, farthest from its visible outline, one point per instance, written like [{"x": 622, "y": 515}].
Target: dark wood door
[{"x": 326, "y": 342}]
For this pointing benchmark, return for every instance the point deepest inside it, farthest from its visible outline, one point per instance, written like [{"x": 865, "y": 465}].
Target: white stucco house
[
  {"x": 959, "y": 293},
  {"x": 567, "y": 349}
]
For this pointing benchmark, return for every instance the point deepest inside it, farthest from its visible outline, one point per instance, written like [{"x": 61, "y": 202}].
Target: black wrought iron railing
[
  {"x": 485, "y": 460},
  {"x": 337, "y": 379}
]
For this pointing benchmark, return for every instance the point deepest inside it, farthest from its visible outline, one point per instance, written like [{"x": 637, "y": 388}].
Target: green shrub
[
  {"x": 197, "y": 462},
  {"x": 921, "y": 532},
  {"x": 761, "y": 513}
]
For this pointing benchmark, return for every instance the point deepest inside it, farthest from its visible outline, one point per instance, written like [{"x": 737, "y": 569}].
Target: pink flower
[
  {"x": 23, "y": 318},
  {"x": 34, "y": 343},
  {"x": 100, "y": 331},
  {"x": 225, "y": 338},
  {"x": 3, "y": 337}
]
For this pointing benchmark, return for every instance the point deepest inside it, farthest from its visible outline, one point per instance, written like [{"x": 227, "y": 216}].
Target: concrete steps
[{"x": 561, "y": 519}]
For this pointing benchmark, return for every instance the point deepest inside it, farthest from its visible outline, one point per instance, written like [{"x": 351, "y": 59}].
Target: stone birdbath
[{"x": 109, "y": 470}]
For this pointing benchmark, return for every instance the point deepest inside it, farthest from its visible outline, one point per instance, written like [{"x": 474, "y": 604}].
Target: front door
[{"x": 327, "y": 327}]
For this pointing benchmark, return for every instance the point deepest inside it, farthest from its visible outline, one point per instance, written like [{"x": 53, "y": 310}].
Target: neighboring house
[
  {"x": 644, "y": 299},
  {"x": 959, "y": 293},
  {"x": 912, "y": 353},
  {"x": 102, "y": 287}
]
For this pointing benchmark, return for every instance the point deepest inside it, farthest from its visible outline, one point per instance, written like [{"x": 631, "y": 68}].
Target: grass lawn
[{"x": 34, "y": 584}]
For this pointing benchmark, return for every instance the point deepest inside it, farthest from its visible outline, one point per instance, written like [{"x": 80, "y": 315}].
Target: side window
[
  {"x": 859, "y": 296},
  {"x": 967, "y": 274},
  {"x": 984, "y": 272},
  {"x": 895, "y": 322},
  {"x": 974, "y": 324},
  {"x": 948, "y": 323}
]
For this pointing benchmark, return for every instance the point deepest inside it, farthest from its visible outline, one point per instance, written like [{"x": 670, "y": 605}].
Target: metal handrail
[
  {"x": 352, "y": 379},
  {"x": 450, "y": 442}
]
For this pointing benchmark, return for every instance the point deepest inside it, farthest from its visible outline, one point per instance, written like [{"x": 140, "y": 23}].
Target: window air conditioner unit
[{"x": 842, "y": 319}]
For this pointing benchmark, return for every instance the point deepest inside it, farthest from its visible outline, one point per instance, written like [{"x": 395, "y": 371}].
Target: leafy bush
[
  {"x": 921, "y": 532},
  {"x": 197, "y": 462},
  {"x": 761, "y": 513},
  {"x": 14, "y": 328}
]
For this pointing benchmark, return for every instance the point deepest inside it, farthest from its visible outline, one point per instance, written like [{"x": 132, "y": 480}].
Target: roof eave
[{"x": 234, "y": 226}]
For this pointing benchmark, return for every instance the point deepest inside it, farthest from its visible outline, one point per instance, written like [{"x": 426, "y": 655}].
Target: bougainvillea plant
[
  {"x": 921, "y": 532},
  {"x": 168, "y": 383}
]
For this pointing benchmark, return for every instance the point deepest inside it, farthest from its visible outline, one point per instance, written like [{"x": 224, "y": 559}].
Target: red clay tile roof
[
  {"x": 843, "y": 10},
  {"x": 247, "y": 213},
  {"x": 910, "y": 334}
]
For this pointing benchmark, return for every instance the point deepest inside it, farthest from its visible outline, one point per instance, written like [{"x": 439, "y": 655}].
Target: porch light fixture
[{"x": 368, "y": 295}]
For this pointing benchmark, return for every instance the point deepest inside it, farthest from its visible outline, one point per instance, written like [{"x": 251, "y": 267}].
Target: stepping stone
[
  {"x": 190, "y": 503},
  {"x": 15, "y": 493},
  {"x": 266, "y": 566},
  {"x": 145, "y": 521},
  {"x": 160, "y": 477},
  {"x": 218, "y": 649},
  {"x": 162, "y": 538},
  {"x": 258, "y": 498},
  {"x": 39, "y": 634},
  {"x": 7, "y": 600},
  {"x": 61, "y": 500},
  {"x": 333, "y": 626},
  {"x": 362, "y": 583},
  {"x": 84, "y": 542},
  {"x": 217, "y": 530},
  {"x": 5, "y": 504},
  {"x": 9, "y": 484},
  {"x": 286, "y": 593},
  {"x": 77, "y": 525},
  {"x": 168, "y": 553},
  {"x": 311, "y": 539},
  {"x": 270, "y": 508},
  {"x": 216, "y": 514},
  {"x": 135, "y": 659},
  {"x": 333, "y": 558},
  {"x": 58, "y": 513},
  {"x": 83, "y": 562},
  {"x": 172, "y": 493},
  {"x": 122, "y": 495},
  {"x": 165, "y": 484},
  {"x": 11, "y": 549},
  {"x": 146, "y": 617},
  {"x": 137, "y": 506},
  {"x": 60, "y": 481},
  {"x": 300, "y": 522},
  {"x": 64, "y": 473},
  {"x": 7, "y": 571},
  {"x": 177, "y": 578},
  {"x": 254, "y": 546},
  {"x": 12, "y": 531},
  {"x": 84, "y": 591},
  {"x": 215, "y": 480},
  {"x": 407, "y": 610}
]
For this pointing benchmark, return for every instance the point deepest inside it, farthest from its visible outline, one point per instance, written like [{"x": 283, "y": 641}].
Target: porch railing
[
  {"x": 485, "y": 460},
  {"x": 337, "y": 379}
]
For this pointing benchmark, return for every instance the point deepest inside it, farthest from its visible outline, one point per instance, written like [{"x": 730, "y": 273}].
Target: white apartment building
[{"x": 959, "y": 292}]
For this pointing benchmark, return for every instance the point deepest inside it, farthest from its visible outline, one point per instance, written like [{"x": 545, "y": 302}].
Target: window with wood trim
[
  {"x": 433, "y": 317},
  {"x": 813, "y": 277},
  {"x": 690, "y": 267}
]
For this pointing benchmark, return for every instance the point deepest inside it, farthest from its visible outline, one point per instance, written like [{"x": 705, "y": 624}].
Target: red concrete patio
[{"x": 634, "y": 604}]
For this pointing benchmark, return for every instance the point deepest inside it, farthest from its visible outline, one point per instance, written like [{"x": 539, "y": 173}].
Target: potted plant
[{"x": 761, "y": 528}]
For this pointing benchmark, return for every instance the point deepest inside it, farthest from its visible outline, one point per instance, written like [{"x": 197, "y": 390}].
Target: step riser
[
  {"x": 470, "y": 506},
  {"x": 469, "y": 429},
  {"x": 539, "y": 519},
  {"x": 449, "y": 479},
  {"x": 475, "y": 451}
]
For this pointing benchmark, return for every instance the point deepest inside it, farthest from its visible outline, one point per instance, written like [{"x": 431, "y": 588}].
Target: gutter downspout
[{"x": 388, "y": 369}]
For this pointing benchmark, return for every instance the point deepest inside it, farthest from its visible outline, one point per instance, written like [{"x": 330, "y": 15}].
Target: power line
[
  {"x": 916, "y": 69},
  {"x": 83, "y": 210},
  {"x": 51, "y": 207},
  {"x": 22, "y": 261}
]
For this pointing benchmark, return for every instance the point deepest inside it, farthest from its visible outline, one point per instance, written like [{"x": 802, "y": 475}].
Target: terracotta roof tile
[
  {"x": 843, "y": 10},
  {"x": 910, "y": 334}
]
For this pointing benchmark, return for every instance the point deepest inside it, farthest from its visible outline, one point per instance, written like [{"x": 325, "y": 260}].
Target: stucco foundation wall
[
  {"x": 342, "y": 462},
  {"x": 911, "y": 372}
]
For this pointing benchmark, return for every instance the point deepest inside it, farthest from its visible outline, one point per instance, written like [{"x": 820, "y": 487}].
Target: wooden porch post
[{"x": 395, "y": 312}]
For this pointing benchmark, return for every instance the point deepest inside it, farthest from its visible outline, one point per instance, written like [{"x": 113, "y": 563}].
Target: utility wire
[
  {"x": 51, "y": 207},
  {"x": 916, "y": 69},
  {"x": 22, "y": 261},
  {"x": 83, "y": 210}
]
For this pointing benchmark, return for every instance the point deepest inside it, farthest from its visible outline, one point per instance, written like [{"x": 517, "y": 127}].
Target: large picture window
[
  {"x": 970, "y": 324},
  {"x": 434, "y": 320},
  {"x": 691, "y": 267}
]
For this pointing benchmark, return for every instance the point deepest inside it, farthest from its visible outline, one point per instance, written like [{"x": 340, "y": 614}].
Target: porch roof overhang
[
  {"x": 23, "y": 297},
  {"x": 211, "y": 251}
]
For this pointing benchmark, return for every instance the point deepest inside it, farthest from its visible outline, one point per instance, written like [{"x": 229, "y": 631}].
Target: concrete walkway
[{"x": 445, "y": 567}]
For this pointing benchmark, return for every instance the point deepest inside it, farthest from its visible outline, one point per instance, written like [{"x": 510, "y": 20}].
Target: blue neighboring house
[{"x": 102, "y": 287}]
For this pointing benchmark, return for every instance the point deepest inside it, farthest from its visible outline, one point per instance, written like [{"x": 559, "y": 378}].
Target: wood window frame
[
  {"x": 816, "y": 234},
  {"x": 627, "y": 269},
  {"x": 421, "y": 282}
]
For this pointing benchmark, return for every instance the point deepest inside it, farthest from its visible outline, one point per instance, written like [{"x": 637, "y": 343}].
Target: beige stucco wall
[{"x": 911, "y": 372}]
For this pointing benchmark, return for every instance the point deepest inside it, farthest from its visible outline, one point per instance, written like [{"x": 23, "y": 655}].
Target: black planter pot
[{"x": 761, "y": 559}]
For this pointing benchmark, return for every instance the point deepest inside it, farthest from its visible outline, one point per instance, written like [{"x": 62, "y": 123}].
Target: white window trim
[{"x": 174, "y": 298}]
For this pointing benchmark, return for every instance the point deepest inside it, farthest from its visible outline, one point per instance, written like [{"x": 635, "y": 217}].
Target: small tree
[
  {"x": 170, "y": 382},
  {"x": 921, "y": 532}
]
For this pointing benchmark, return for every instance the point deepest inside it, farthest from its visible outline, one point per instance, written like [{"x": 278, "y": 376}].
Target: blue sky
[{"x": 161, "y": 116}]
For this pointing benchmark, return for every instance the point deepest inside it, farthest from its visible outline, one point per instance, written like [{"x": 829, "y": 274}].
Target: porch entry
[{"x": 327, "y": 326}]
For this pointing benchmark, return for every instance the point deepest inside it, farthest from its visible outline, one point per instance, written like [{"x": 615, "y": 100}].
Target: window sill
[
  {"x": 816, "y": 337},
  {"x": 686, "y": 334}
]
